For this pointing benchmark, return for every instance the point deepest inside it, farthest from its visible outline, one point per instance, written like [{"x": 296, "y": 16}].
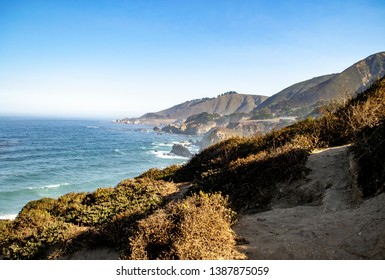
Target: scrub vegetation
[{"x": 143, "y": 218}]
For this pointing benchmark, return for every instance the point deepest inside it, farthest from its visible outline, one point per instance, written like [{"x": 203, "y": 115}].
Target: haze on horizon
[{"x": 125, "y": 58}]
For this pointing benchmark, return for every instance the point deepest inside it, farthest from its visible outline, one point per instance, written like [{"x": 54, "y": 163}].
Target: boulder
[
  {"x": 180, "y": 150},
  {"x": 172, "y": 129}
]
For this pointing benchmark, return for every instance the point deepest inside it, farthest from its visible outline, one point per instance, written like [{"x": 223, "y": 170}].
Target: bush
[
  {"x": 99, "y": 217},
  {"x": 166, "y": 174},
  {"x": 369, "y": 153},
  {"x": 250, "y": 182},
  {"x": 196, "y": 228},
  {"x": 4, "y": 232},
  {"x": 33, "y": 230}
]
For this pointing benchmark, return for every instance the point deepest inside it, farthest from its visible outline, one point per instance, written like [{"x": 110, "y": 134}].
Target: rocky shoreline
[{"x": 213, "y": 128}]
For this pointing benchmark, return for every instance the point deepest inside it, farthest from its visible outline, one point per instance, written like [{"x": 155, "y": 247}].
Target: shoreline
[
  {"x": 10, "y": 217},
  {"x": 30, "y": 171}
]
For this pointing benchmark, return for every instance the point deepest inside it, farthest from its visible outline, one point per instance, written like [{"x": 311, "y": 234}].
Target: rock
[
  {"x": 181, "y": 151},
  {"x": 218, "y": 134},
  {"x": 172, "y": 129},
  {"x": 157, "y": 129}
]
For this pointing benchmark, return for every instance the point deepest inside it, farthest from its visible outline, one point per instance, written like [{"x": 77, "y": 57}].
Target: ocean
[{"x": 48, "y": 158}]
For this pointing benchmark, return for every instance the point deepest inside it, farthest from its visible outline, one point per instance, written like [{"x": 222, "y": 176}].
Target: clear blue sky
[{"x": 124, "y": 58}]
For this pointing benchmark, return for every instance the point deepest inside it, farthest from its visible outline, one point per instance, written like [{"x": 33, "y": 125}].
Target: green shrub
[
  {"x": 166, "y": 174},
  {"x": 4, "y": 232},
  {"x": 33, "y": 230},
  {"x": 78, "y": 219}
]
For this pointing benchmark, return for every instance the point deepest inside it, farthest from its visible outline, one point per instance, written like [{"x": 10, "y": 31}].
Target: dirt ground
[
  {"x": 316, "y": 218},
  {"x": 313, "y": 218}
]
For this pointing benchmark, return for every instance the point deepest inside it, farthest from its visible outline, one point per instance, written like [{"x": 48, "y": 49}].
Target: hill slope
[
  {"x": 310, "y": 205},
  {"x": 331, "y": 227},
  {"x": 354, "y": 79},
  {"x": 225, "y": 104},
  {"x": 298, "y": 99},
  {"x": 294, "y": 90}
]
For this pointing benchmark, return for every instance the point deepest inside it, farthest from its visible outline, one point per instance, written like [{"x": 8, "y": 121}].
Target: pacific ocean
[{"x": 50, "y": 157}]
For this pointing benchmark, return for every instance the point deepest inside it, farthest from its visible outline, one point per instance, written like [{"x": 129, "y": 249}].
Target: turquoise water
[{"x": 48, "y": 158}]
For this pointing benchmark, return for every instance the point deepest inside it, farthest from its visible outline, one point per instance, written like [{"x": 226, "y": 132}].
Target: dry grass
[
  {"x": 197, "y": 228},
  {"x": 106, "y": 216}
]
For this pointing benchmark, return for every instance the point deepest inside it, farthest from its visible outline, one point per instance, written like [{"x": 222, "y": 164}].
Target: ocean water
[{"x": 48, "y": 158}]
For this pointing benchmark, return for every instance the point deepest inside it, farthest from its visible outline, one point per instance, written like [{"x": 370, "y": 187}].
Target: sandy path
[{"x": 326, "y": 225}]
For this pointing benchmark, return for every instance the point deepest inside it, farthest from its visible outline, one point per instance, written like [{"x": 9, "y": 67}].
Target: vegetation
[
  {"x": 228, "y": 93},
  {"x": 108, "y": 215},
  {"x": 369, "y": 151},
  {"x": 138, "y": 219},
  {"x": 166, "y": 174},
  {"x": 247, "y": 169},
  {"x": 264, "y": 113},
  {"x": 195, "y": 228},
  {"x": 202, "y": 118}
]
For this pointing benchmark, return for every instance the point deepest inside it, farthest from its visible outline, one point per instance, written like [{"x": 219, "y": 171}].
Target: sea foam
[
  {"x": 53, "y": 186},
  {"x": 8, "y": 217}
]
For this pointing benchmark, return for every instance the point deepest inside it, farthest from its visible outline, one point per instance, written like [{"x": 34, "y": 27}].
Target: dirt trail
[{"x": 316, "y": 219}]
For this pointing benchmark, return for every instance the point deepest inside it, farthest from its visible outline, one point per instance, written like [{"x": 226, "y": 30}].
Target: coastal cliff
[
  {"x": 296, "y": 192},
  {"x": 232, "y": 114}
]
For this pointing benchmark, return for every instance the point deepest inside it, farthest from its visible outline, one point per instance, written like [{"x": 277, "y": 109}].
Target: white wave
[
  {"x": 53, "y": 186},
  {"x": 165, "y": 155},
  {"x": 92, "y": 126},
  {"x": 183, "y": 142},
  {"x": 119, "y": 152},
  {"x": 163, "y": 144},
  {"x": 8, "y": 217}
]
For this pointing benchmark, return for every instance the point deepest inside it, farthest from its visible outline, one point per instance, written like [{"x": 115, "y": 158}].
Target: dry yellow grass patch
[{"x": 196, "y": 228}]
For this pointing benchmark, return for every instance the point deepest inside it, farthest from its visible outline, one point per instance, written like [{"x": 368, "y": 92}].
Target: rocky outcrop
[
  {"x": 180, "y": 150},
  {"x": 217, "y": 135},
  {"x": 242, "y": 129},
  {"x": 172, "y": 128},
  {"x": 194, "y": 125}
]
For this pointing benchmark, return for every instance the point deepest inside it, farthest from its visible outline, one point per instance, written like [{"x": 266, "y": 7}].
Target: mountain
[
  {"x": 297, "y": 100},
  {"x": 225, "y": 104},
  {"x": 293, "y": 91},
  {"x": 321, "y": 89}
]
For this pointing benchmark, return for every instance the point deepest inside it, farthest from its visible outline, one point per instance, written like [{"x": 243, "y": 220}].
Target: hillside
[
  {"x": 225, "y": 104},
  {"x": 329, "y": 225},
  {"x": 311, "y": 190},
  {"x": 299, "y": 99},
  {"x": 325, "y": 88},
  {"x": 294, "y": 90}
]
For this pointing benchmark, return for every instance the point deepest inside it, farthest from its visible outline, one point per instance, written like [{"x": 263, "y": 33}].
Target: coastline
[
  {"x": 10, "y": 217},
  {"x": 49, "y": 158}
]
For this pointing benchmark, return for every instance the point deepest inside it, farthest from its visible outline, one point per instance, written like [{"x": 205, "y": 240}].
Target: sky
[{"x": 116, "y": 58}]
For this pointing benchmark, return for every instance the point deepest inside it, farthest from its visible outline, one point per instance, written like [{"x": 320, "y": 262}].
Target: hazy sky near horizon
[{"x": 116, "y": 58}]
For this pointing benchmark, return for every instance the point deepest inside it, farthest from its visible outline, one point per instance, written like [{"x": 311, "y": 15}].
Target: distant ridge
[
  {"x": 354, "y": 79},
  {"x": 297, "y": 100},
  {"x": 225, "y": 104}
]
